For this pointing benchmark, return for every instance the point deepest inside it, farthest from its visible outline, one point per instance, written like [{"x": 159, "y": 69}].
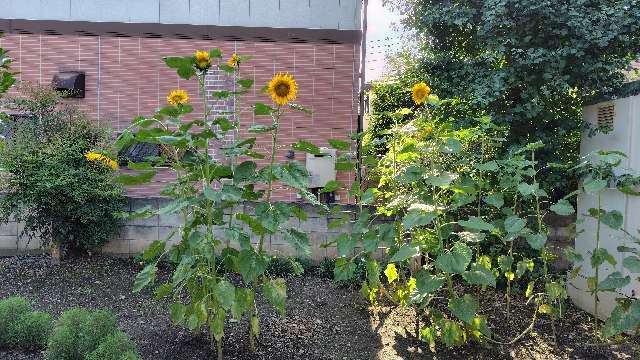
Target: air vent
[{"x": 606, "y": 116}]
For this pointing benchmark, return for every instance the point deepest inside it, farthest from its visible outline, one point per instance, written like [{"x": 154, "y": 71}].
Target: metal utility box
[
  {"x": 621, "y": 118},
  {"x": 321, "y": 168}
]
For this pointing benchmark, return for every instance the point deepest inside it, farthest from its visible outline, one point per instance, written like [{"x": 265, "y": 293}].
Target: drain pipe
[{"x": 363, "y": 67}]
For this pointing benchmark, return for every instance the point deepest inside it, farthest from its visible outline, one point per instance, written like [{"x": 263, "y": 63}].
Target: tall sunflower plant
[
  {"x": 444, "y": 218},
  {"x": 220, "y": 257}
]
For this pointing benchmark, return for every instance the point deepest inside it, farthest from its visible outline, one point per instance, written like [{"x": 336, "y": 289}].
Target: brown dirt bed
[{"x": 323, "y": 321}]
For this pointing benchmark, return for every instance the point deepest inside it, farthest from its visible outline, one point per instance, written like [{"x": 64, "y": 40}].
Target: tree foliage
[
  {"x": 530, "y": 63},
  {"x": 48, "y": 183}
]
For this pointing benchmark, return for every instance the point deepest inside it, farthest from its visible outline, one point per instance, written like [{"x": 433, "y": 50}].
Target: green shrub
[
  {"x": 79, "y": 332},
  {"x": 61, "y": 196},
  {"x": 284, "y": 266},
  {"x": 117, "y": 346},
  {"x": 10, "y": 310},
  {"x": 30, "y": 331}
]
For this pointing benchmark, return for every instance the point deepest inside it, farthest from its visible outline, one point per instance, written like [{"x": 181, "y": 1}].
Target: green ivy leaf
[
  {"x": 625, "y": 317},
  {"x": 262, "y": 109},
  {"x": 536, "y": 241},
  {"x": 426, "y": 284}
]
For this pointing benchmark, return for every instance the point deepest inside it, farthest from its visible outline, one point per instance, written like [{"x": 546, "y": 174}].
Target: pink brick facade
[{"x": 126, "y": 77}]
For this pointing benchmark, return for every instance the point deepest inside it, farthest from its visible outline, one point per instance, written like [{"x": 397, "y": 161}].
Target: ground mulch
[{"x": 323, "y": 321}]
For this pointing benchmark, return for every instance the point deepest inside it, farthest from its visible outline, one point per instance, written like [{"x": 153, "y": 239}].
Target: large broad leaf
[
  {"x": 307, "y": 147},
  {"x": 496, "y": 200},
  {"x": 153, "y": 250},
  {"x": 455, "y": 261},
  {"x": 370, "y": 241},
  {"x": 632, "y": 263},
  {"x": 527, "y": 189},
  {"x": 344, "y": 269},
  {"x": 536, "y": 241},
  {"x": 245, "y": 171},
  {"x": 244, "y": 301},
  {"x": 562, "y": 207},
  {"x": 592, "y": 186},
  {"x": 299, "y": 241},
  {"x": 255, "y": 225},
  {"x": 292, "y": 174},
  {"x": 612, "y": 219},
  {"x": 625, "y": 317},
  {"x": 145, "y": 277},
  {"x": 613, "y": 282},
  {"x": 345, "y": 244},
  {"x": 464, "y": 308},
  {"x": 600, "y": 255},
  {"x": 405, "y": 252},
  {"x": 514, "y": 224},
  {"x": 251, "y": 265},
  {"x": 275, "y": 291},
  {"x": 391, "y": 272},
  {"x": 476, "y": 223},
  {"x": 479, "y": 275},
  {"x": 426, "y": 284},
  {"x": 225, "y": 294},
  {"x": 417, "y": 217}
]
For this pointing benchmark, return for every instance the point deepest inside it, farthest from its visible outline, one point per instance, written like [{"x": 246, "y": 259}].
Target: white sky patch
[{"x": 381, "y": 38}]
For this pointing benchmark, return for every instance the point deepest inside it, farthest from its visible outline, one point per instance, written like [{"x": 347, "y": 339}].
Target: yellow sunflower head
[
  {"x": 178, "y": 97},
  {"x": 97, "y": 157},
  {"x": 282, "y": 88},
  {"x": 420, "y": 92},
  {"x": 203, "y": 59},
  {"x": 234, "y": 60}
]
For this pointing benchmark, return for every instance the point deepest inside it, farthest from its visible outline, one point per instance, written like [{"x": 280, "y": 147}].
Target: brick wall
[{"x": 126, "y": 77}]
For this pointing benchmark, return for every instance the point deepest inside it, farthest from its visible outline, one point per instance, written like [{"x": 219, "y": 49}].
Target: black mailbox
[{"x": 70, "y": 82}]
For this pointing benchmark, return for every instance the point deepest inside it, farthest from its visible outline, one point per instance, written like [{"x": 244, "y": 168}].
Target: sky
[{"x": 381, "y": 38}]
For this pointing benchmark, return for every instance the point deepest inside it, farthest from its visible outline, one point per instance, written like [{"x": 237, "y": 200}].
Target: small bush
[
  {"x": 79, "y": 332},
  {"x": 327, "y": 265},
  {"x": 30, "y": 331},
  {"x": 10, "y": 311},
  {"x": 284, "y": 266},
  {"x": 117, "y": 346}
]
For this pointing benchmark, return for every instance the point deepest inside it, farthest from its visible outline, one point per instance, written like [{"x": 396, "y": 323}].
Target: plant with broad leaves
[
  {"x": 602, "y": 171},
  {"x": 217, "y": 238},
  {"x": 449, "y": 208}
]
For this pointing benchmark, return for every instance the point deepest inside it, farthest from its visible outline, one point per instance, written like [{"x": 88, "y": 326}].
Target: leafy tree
[{"x": 530, "y": 63}]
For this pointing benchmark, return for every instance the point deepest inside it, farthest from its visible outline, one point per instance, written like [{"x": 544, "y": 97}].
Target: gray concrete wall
[
  {"x": 308, "y": 14},
  {"x": 137, "y": 234}
]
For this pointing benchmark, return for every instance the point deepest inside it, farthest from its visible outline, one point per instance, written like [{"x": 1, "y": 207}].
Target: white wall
[
  {"x": 310, "y": 14},
  {"x": 625, "y": 137}
]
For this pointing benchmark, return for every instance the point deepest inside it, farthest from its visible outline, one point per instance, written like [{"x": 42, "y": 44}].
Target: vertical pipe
[{"x": 363, "y": 54}]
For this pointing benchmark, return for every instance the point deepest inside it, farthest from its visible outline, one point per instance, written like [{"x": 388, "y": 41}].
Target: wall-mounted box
[
  {"x": 71, "y": 83},
  {"x": 321, "y": 168}
]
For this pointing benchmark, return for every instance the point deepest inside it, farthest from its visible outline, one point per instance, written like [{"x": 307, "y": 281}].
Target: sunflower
[
  {"x": 97, "y": 157},
  {"x": 419, "y": 92},
  {"x": 282, "y": 88},
  {"x": 234, "y": 60},
  {"x": 178, "y": 97},
  {"x": 203, "y": 59}
]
